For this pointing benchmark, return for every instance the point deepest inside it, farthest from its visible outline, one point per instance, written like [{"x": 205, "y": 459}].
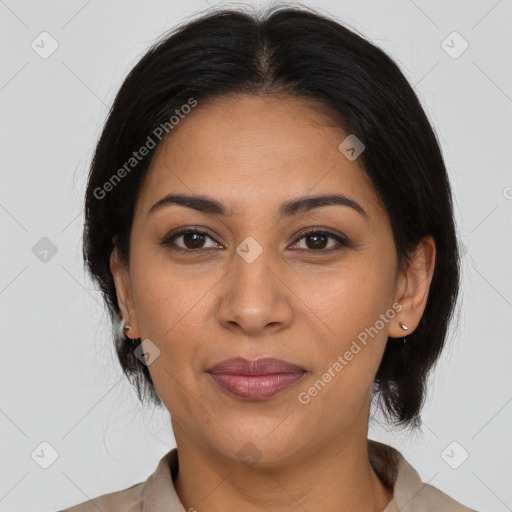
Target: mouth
[{"x": 259, "y": 379}]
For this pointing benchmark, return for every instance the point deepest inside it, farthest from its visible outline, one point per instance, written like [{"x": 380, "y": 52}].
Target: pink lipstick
[{"x": 259, "y": 379}]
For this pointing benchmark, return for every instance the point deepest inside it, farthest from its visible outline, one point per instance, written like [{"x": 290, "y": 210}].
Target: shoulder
[
  {"x": 127, "y": 500},
  {"x": 157, "y": 488},
  {"x": 434, "y": 499},
  {"x": 409, "y": 491}
]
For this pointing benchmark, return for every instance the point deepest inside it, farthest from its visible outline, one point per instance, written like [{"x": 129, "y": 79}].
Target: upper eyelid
[{"x": 170, "y": 238}]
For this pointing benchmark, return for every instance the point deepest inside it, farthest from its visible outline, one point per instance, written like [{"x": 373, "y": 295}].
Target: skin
[{"x": 293, "y": 302}]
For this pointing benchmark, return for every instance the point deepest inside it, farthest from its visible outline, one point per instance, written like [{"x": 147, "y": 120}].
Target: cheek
[
  {"x": 170, "y": 309},
  {"x": 345, "y": 368},
  {"x": 354, "y": 297},
  {"x": 165, "y": 295},
  {"x": 163, "y": 319},
  {"x": 357, "y": 308}
]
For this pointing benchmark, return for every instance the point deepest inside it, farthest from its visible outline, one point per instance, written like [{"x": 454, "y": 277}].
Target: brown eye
[
  {"x": 192, "y": 240},
  {"x": 317, "y": 241}
]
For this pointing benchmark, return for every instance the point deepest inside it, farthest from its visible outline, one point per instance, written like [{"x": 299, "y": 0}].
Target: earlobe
[
  {"x": 417, "y": 278},
  {"x": 122, "y": 282}
]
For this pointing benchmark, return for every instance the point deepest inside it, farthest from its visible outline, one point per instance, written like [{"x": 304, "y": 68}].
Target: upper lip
[{"x": 264, "y": 366}]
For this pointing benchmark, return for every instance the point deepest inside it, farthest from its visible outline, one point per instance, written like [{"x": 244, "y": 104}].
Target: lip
[
  {"x": 259, "y": 379},
  {"x": 263, "y": 366}
]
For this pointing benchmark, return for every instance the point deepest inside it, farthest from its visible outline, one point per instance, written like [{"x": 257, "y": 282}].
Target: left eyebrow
[
  {"x": 303, "y": 204},
  {"x": 306, "y": 203}
]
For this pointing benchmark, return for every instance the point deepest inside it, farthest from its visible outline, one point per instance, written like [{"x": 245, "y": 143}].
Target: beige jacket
[{"x": 157, "y": 493}]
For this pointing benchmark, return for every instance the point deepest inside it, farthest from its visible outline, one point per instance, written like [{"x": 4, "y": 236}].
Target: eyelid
[
  {"x": 339, "y": 238},
  {"x": 170, "y": 237}
]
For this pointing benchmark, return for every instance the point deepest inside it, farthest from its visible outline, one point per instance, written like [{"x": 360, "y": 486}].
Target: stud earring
[
  {"x": 405, "y": 328},
  {"x": 127, "y": 326}
]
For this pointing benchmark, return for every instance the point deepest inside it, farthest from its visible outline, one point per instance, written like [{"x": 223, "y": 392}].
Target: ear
[
  {"x": 121, "y": 275},
  {"x": 413, "y": 287}
]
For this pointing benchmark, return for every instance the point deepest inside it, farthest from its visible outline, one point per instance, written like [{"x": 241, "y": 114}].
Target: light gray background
[{"x": 60, "y": 382}]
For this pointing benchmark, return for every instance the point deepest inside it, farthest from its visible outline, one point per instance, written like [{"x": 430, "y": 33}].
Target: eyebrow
[{"x": 303, "y": 204}]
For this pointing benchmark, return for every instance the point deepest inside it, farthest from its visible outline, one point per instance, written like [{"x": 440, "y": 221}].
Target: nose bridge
[
  {"x": 253, "y": 295},
  {"x": 253, "y": 281}
]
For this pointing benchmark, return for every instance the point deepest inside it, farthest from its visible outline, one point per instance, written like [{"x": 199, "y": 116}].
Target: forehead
[{"x": 256, "y": 150}]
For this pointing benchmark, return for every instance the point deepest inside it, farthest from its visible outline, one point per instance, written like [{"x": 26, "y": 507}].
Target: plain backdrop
[{"x": 60, "y": 383}]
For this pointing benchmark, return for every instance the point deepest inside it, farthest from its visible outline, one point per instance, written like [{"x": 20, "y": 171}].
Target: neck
[{"x": 333, "y": 476}]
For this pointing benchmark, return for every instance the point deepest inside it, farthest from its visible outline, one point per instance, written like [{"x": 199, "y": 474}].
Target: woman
[{"x": 269, "y": 218}]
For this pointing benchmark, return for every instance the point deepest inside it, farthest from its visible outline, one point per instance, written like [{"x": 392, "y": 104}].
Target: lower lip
[{"x": 256, "y": 387}]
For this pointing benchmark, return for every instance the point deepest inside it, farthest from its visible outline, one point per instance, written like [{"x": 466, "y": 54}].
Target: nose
[{"x": 254, "y": 297}]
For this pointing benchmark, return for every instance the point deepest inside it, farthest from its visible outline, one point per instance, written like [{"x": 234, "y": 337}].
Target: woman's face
[{"x": 255, "y": 286}]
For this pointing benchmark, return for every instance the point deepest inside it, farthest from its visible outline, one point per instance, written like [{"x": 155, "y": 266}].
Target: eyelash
[{"x": 168, "y": 239}]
